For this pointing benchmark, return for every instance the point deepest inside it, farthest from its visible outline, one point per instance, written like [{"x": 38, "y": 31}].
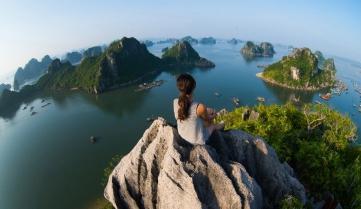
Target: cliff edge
[{"x": 236, "y": 170}]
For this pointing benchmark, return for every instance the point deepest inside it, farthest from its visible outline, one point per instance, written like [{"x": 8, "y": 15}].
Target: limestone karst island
[{"x": 180, "y": 105}]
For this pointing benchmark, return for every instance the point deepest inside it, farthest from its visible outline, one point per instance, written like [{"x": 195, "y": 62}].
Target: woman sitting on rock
[{"x": 194, "y": 120}]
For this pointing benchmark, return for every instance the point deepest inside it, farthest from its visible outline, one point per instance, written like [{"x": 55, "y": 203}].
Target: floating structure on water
[
  {"x": 235, "y": 101},
  {"x": 93, "y": 139},
  {"x": 326, "y": 96},
  {"x": 339, "y": 88},
  {"x": 145, "y": 86},
  {"x": 150, "y": 119},
  {"x": 45, "y": 104},
  {"x": 217, "y": 94},
  {"x": 262, "y": 66},
  {"x": 261, "y": 99}
]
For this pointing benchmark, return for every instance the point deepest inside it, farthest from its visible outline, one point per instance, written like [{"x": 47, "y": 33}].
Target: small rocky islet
[
  {"x": 183, "y": 54},
  {"x": 208, "y": 41},
  {"x": 252, "y": 50}
]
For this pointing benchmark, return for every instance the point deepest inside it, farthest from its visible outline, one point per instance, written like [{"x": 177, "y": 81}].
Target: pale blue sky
[{"x": 35, "y": 28}]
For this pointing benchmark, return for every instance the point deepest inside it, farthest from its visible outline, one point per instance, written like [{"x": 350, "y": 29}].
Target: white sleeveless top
[{"x": 191, "y": 129}]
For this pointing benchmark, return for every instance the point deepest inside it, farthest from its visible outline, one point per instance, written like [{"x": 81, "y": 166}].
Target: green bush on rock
[
  {"x": 291, "y": 202},
  {"x": 315, "y": 140}
]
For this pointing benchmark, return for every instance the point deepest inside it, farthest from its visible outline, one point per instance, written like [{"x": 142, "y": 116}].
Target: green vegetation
[
  {"x": 108, "y": 170},
  {"x": 251, "y": 50},
  {"x": 302, "y": 70},
  {"x": 291, "y": 202},
  {"x": 316, "y": 141},
  {"x": 183, "y": 54},
  {"x": 123, "y": 61}
]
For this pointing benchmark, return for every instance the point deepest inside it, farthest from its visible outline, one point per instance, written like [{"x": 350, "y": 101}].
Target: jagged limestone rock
[{"x": 236, "y": 170}]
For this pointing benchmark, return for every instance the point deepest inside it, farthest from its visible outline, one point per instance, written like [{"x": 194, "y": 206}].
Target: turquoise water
[{"x": 47, "y": 160}]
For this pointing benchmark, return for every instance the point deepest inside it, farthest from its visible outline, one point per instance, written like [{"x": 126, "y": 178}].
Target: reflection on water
[
  {"x": 288, "y": 95},
  {"x": 47, "y": 160}
]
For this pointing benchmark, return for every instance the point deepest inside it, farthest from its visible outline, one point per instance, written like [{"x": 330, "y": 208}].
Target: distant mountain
[
  {"x": 183, "y": 54},
  {"x": 168, "y": 41},
  {"x": 73, "y": 57},
  {"x": 234, "y": 41},
  {"x": 301, "y": 70},
  {"x": 32, "y": 70},
  {"x": 207, "y": 40},
  {"x": 93, "y": 51},
  {"x": 122, "y": 62},
  {"x": 148, "y": 43},
  {"x": 251, "y": 50},
  {"x": 3, "y": 87},
  {"x": 189, "y": 39}
]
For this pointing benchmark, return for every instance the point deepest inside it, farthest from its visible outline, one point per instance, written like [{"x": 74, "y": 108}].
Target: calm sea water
[{"x": 47, "y": 160}]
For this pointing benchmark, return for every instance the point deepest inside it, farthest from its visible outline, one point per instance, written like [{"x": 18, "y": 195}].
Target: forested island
[
  {"x": 252, "y": 50},
  {"x": 124, "y": 62},
  {"x": 301, "y": 70},
  {"x": 182, "y": 53}
]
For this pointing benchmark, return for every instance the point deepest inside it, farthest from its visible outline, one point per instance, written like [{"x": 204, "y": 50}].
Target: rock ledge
[{"x": 236, "y": 170}]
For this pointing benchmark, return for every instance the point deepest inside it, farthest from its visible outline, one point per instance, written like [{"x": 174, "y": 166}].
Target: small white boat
[
  {"x": 235, "y": 101},
  {"x": 261, "y": 99}
]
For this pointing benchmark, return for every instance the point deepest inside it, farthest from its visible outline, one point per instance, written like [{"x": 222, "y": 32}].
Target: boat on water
[
  {"x": 261, "y": 99},
  {"x": 317, "y": 102},
  {"x": 145, "y": 86},
  {"x": 326, "y": 96},
  {"x": 217, "y": 94},
  {"x": 235, "y": 101}
]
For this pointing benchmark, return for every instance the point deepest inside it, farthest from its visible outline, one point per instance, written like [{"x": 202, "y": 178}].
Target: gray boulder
[{"x": 236, "y": 170}]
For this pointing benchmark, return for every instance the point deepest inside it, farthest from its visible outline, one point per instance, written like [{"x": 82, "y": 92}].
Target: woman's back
[{"x": 191, "y": 129}]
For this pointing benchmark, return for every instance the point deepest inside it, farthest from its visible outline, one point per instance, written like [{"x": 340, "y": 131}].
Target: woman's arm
[{"x": 207, "y": 114}]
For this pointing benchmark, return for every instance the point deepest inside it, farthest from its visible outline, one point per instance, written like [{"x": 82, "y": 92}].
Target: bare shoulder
[{"x": 201, "y": 109}]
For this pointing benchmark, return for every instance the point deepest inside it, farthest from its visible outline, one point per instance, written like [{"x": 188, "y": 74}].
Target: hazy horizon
[{"x": 34, "y": 29}]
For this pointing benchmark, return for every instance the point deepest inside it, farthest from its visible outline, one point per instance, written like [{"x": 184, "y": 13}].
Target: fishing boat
[
  {"x": 217, "y": 94},
  {"x": 261, "y": 99},
  {"x": 326, "y": 96},
  {"x": 235, "y": 101}
]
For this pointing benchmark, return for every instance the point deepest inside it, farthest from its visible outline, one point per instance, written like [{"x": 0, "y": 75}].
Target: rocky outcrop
[
  {"x": 236, "y": 170},
  {"x": 183, "y": 54},
  {"x": 251, "y": 49}
]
